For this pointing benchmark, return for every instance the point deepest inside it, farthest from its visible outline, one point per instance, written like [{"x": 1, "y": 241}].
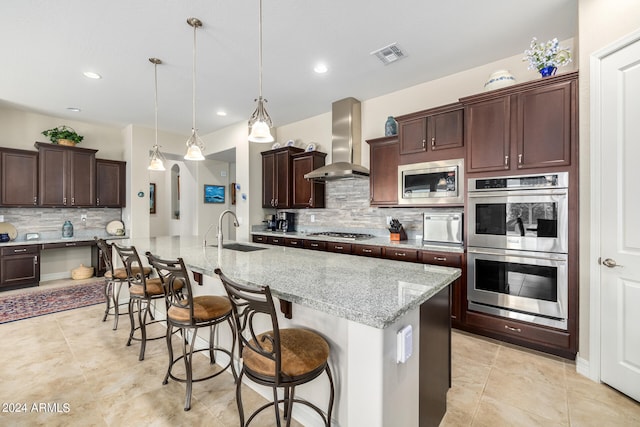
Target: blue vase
[
  {"x": 548, "y": 71},
  {"x": 390, "y": 127},
  {"x": 67, "y": 229}
]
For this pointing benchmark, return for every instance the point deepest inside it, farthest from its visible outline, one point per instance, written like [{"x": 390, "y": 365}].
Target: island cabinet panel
[
  {"x": 383, "y": 174},
  {"x": 294, "y": 242},
  {"x": 316, "y": 245},
  {"x": 307, "y": 193},
  {"x": 366, "y": 250},
  {"x": 277, "y": 177},
  {"x": 66, "y": 176},
  {"x": 525, "y": 126},
  {"x": 275, "y": 240},
  {"x": 259, "y": 239},
  {"x": 19, "y": 175},
  {"x": 458, "y": 291},
  {"x": 110, "y": 183},
  {"x": 409, "y": 255},
  {"x": 344, "y": 248},
  {"x": 430, "y": 135},
  {"x": 19, "y": 266}
]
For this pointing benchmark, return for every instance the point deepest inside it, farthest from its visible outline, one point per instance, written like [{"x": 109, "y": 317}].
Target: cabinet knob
[
  {"x": 310, "y": 200},
  {"x": 73, "y": 201},
  {"x": 98, "y": 201},
  {"x": 519, "y": 159},
  {"x": 35, "y": 201},
  {"x": 506, "y": 162},
  {"x": 35, "y": 260},
  {"x": 64, "y": 201},
  {"x": 433, "y": 142},
  {"x": 424, "y": 144}
]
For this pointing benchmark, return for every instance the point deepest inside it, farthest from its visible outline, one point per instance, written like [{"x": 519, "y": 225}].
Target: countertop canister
[{"x": 67, "y": 229}]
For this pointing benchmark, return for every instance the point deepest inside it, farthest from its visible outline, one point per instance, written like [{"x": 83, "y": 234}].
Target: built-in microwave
[{"x": 431, "y": 183}]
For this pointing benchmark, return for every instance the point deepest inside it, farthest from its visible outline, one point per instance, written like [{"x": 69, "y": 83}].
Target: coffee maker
[{"x": 286, "y": 221}]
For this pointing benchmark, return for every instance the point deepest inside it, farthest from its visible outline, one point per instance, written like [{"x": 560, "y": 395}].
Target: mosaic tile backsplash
[{"x": 48, "y": 222}]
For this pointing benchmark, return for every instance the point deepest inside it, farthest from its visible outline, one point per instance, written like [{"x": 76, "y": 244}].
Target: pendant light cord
[
  {"x": 195, "y": 27},
  {"x": 260, "y": 50},
  {"x": 155, "y": 72}
]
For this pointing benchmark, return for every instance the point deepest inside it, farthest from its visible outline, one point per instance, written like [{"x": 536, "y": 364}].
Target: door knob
[{"x": 611, "y": 263}]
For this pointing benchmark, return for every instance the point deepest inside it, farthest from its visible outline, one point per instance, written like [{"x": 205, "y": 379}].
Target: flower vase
[
  {"x": 547, "y": 71},
  {"x": 390, "y": 127}
]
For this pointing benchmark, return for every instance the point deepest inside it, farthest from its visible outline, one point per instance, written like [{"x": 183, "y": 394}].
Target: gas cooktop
[{"x": 350, "y": 236}]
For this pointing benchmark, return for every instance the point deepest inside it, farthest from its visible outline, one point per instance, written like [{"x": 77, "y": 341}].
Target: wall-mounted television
[{"x": 213, "y": 193}]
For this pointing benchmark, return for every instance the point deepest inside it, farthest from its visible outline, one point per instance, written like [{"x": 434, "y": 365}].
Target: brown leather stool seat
[
  {"x": 187, "y": 314},
  {"x": 121, "y": 273},
  {"x": 279, "y": 358}
]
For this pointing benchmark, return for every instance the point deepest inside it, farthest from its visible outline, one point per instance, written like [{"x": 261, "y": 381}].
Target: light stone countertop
[
  {"x": 21, "y": 241},
  {"x": 370, "y": 291}
]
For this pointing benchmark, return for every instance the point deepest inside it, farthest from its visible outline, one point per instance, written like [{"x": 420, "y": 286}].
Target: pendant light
[
  {"x": 260, "y": 122},
  {"x": 195, "y": 146},
  {"x": 157, "y": 159}
]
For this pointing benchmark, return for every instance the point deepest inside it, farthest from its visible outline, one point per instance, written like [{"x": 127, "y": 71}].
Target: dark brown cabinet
[
  {"x": 366, "y": 250},
  {"x": 383, "y": 174},
  {"x": 19, "y": 175},
  {"x": 458, "y": 292},
  {"x": 277, "y": 177},
  {"x": 344, "y": 248},
  {"x": 294, "y": 242},
  {"x": 423, "y": 133},
  {"x": 307, "y": 193},
  {"x": 19, "y": 266},
  {"x": 315, "y": 245},
  {"x": 110, "y": 183},
  {"x": 409, "y": 255},
  {"x": 66, "y": 176},
  {"x": 531, "y": 125}
]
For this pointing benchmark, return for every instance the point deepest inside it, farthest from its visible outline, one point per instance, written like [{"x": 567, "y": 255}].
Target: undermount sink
[{"x": 240, "y": 247}]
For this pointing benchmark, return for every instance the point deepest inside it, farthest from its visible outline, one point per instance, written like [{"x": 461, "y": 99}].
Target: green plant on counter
[{"x": 62, "y": 132}]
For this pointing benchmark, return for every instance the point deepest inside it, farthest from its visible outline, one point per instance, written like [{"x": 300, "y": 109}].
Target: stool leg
[
  {"x": 115, "y": 294},
  {"x": 288, "y": 403},
  {"x": 239, "y": 398},
  {"x": 328, "y": 370},
  {"x": 107, "y": 293},
  {"x": 188, "y": 368},
  {"x": 132, "y": 302},
  {"x": 212, "y": 337},
  {"x": 275, "y": 405},
  {"x": 170, "y": 348},
  {"x": 142, "y": 316},
  {"x": 233, "y": 346}
]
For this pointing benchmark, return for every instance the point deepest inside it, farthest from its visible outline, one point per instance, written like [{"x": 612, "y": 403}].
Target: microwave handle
[{"x": 443, "y": 217}]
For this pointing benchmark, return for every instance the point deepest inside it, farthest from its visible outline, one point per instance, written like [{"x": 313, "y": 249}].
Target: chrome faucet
[{"x": 235, "y": 224}]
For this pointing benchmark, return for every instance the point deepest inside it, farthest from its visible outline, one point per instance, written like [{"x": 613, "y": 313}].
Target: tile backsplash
[{"x": 48, "y": 221}]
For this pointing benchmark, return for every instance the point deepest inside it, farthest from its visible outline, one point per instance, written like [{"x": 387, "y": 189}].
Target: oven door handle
[
  {"x": 510, "y": 193},
  {"x": 542, "y": 255}
]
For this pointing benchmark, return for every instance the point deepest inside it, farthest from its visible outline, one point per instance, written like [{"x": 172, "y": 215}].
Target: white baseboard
[
  {"x": 583, "y": 367},
  {"x": 55, "y": 276}
]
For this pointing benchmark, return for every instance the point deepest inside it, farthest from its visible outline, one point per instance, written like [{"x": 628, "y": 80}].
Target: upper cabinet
[
  {"x": 19, "y": 175},
  {"x": 384, "y": 155},
  {"x": 307, "y": 193},
  {"x": 66, "y": 176},
  {"x": 434, "y": 134},
  {"x": 530, "y": 125},
  {"x": 277, "y": 177},
  {"x": 110, "y": 183}
]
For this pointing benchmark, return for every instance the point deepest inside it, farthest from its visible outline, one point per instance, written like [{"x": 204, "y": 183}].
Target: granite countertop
[
  {"x": 371, "y": 291},
  {"x": 373, "y": 241},
  {"x": 21, "y": 241}
]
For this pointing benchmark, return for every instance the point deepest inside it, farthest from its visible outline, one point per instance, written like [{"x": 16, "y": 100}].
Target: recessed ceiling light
[
  {"x": 92, "y": 75},
  {"x": 320, "y": 68},
  {"x": 221, "y": 113},
  {"x": 74, "y": 109}
]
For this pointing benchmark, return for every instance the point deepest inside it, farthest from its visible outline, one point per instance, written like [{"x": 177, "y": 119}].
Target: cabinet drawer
[
  {"x": 441, "y": 258},
  {"x": 67, "y": 244},
  {"x": 344, "y": 248},
  {"x": 315, "y": 245},
  {"x": 367, "y": 250},
  {"x": 296, "y": 243},
  {"x": 409, "y": 255},
  {"x": 275, "y": 240},
  {"x": 260, "y": 239},
  {"x": 519, "y": 330},
  {"x": 19, "y": 250}
]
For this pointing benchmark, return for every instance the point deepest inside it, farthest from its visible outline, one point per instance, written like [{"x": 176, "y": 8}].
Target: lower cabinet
[
  {"x": 316, "y": 245},
  {"x": 458, "y": 290},
  {"x": 19, "y": 266},
  {"x": 344, "y": 248},
  {"x": 409, "y": 255},
  {"x": 366, "y": 250}
]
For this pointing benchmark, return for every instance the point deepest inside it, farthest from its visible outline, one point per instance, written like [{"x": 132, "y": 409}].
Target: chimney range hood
[{"x": 345, "y": 143}]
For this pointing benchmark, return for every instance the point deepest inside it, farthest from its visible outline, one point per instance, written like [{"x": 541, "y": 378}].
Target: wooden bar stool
[
  {"x": 143, "y": 293},
  {"x": 279, "y": 358},
  {"x": 187, "y": 313}
]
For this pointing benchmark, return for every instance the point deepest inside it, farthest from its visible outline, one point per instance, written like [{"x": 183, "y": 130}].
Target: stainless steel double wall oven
[{"x": 518, "y": 247}]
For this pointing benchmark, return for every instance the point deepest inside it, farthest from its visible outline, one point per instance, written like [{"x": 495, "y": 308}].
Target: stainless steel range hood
[{"x": 345, "y": 143}]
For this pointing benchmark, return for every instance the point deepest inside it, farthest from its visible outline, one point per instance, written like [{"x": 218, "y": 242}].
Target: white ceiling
[{"x": 46, "y": 45}]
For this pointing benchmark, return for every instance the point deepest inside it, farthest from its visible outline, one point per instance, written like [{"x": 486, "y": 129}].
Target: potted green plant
[{"x": 63, "y": 135}]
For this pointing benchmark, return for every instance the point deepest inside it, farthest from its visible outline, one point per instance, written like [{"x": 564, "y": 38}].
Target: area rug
[{"x": 35, "y": 303}]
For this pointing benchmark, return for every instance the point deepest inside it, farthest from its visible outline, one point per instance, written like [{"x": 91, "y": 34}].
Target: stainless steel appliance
[
  {"x": 431, "y": 183},
  {"x": 442, "y": 226},
  {"x": 520, "y": 212},
  {"x": 518, "y": 247},
  {"x": 286, "y": 221}
]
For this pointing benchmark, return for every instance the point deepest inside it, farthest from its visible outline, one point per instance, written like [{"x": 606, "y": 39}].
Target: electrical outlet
[
  {"x": 389, "y": 220},
  {"x": 313, "y": 218},
  {"x": 1, "y": 218},
  {"x": 83, "y": 217}
]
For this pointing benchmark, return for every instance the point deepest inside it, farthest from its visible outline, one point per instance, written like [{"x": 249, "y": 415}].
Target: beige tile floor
[{"x": 73, "y": 358}]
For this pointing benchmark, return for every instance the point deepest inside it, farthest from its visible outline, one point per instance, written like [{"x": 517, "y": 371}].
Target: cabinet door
[
  {"x": 282, "y": 180},
  {"x": 444, "y": 130},
  {"x": 487, "y": 127},
  {"x": 53, "y": 167},
  {"x": 82, "y": 178},
  {"x": 544, "y": 126},
  {"x": 458, "y": 297},
  {"x": 268, "y": 180},
  {"x": 383, "y": 177},
  {"x": 110, "y": 183},
  {"x": 413, "y": 135},
  {"x": 307, "y": 193},
  {"x": 19, "y": 266},
  {"x": 19, "y": 170}
]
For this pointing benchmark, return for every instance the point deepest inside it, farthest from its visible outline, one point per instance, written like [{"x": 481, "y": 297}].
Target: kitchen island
[{"x": 359, "y": 304}]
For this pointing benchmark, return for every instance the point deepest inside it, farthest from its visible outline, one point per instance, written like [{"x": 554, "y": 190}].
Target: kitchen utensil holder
[{"x": 400, "y": 235}]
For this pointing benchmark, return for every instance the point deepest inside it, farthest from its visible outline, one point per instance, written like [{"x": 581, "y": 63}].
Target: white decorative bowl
[{"x": 499, "y": 79}]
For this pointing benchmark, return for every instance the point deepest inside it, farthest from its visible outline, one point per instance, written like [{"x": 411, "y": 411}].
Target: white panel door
[{"x": 620, "y": 220}]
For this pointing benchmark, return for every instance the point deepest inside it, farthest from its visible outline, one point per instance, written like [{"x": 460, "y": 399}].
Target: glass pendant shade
[
  {"x": 260, "y": 124},
  {"x": 195, "y": 146},
  {"x": 157, "y": 160}
]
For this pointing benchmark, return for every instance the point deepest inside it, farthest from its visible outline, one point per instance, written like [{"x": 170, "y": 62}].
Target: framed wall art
[
  {"x": 152, "y": 198},
  {"x": 213, "y": 193}
]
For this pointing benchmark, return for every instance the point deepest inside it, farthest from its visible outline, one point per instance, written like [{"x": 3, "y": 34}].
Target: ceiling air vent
[{"x": 389, "y": 54}]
